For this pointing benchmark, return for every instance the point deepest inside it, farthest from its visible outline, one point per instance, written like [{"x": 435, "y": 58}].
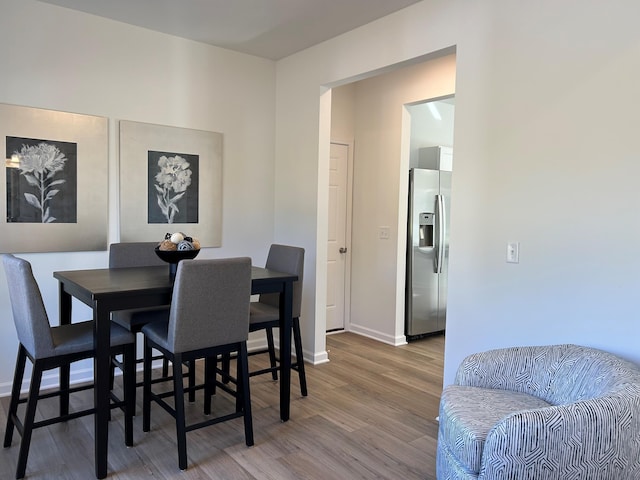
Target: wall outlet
[
  {"x": 513, "y": 252},
  {"x": 384, "y": 233}
]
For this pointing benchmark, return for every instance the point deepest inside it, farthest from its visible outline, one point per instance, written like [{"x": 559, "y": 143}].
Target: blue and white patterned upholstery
[{"x": 557, "y": 412}]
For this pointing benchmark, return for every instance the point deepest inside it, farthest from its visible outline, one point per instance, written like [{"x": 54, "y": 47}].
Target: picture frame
[
  {"x": 54, "y": 182},
  {"x": 170, "y": 181}
]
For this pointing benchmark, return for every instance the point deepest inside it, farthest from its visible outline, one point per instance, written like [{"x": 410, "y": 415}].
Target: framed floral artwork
[
  {"x": 54, "y": 181},
  {"x": 170, "y": 181}
]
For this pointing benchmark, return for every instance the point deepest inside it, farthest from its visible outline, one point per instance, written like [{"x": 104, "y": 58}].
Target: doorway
[{"x": 372, "y": 112}]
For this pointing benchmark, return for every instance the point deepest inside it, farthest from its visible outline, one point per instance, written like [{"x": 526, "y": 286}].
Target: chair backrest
[
  {"x": 286, "y": 259},
  {"x": 210, "y": 304},
  {"x": 29, "y": 314},
  {"x": 134, "y": 254}
]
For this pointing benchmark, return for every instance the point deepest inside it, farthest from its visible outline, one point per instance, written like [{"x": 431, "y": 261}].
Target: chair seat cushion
[
  {"x": 157, "y": 332},
  {"x": 78, "y": 337},
  {"x": 261, "y": 313},
  {"x": 134, "y": 319},
  {"x": 467, "y": 414}
]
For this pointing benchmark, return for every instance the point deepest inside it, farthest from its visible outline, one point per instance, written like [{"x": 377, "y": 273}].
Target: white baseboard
[{"x": 396, "y": 341}]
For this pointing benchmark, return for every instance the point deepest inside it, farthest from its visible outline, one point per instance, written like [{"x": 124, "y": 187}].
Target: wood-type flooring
[{"x": 370, "y": 414}]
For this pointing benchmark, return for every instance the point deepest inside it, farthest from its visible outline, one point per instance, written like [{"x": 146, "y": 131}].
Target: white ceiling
[{"x": 267, "y": 28}]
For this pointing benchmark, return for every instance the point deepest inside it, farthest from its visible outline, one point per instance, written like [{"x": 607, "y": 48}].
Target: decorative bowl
[{"x": 172, "y": 257}]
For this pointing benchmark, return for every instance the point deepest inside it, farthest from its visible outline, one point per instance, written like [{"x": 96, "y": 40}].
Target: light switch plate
[{"x": 513, "y": 252}]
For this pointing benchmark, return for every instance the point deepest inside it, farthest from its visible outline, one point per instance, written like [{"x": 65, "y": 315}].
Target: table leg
[
  {"x": 286, "y": 302},
  {"x": 101, "y": 373}
]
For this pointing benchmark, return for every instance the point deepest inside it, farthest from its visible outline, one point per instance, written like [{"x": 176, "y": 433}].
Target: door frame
[{"x": 348, "y": 228}]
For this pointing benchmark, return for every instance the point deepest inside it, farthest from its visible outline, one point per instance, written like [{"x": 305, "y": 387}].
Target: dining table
[{"x": 106, "y": 290}]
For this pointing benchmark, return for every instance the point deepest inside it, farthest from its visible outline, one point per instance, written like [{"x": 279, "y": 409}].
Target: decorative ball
[
  {"x": 167, "y": 246},
  {"x": 185, "y": 245},
  {"x": 177, "y": 237},
  {"x": 196, "y": 244}
]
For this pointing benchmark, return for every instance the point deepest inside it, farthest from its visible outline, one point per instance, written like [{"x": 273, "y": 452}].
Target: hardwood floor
[{"x": 370, "y": 414}]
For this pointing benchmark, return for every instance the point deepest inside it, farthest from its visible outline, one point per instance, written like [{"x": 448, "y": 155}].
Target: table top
[{"x": 118, "y": 281}]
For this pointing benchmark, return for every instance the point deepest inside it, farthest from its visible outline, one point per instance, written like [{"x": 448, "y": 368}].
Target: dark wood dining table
[{"x": 107, "y": 290}]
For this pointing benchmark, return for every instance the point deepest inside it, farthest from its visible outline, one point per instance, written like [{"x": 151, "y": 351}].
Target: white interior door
[{"x": 337, "y": 252}]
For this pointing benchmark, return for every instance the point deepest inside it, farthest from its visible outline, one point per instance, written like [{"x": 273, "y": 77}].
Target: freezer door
[{"x": 422, "y": 314}]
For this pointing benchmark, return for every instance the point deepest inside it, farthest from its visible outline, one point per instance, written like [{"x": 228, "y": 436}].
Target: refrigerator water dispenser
[{"x": 425, "y": 225}]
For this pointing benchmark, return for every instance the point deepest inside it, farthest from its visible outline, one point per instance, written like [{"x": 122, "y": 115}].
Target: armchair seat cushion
[{"x": 469, "y": 413}]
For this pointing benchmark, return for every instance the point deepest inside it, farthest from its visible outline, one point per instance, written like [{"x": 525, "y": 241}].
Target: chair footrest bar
[
  {"x": 57, "y": 393},
  {"x": 258, "y": 352},
  {"x": 225, "y": 388},
  {"x": 264, "y": 370},
  {"x": 64, "y": 418},
  {"x": 213, "y": 421}
]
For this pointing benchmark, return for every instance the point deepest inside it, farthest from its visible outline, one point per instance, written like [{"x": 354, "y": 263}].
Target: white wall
[
  {"x": 59, "y": 59},
  {"x": 546, "y": 154}
]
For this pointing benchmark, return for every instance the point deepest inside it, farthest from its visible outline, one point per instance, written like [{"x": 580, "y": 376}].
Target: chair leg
[
  {"x": 244, "y": 393},
  {"x": 272, "y": 353},
  {"x": 191, "y": 374},
  {"x": 226, "y": 367},
  {"x": 65, "y": 374},
  {"x": 181, "y": 431},
  {"x": 146, "y": 387},
  {"x": 112, "y": 373},
  {"x": 129, "y": 384},
  {"x": 165, "y": 367},
  {"x": 297, "y": 340},
  {"x": 112, "y": 377},
  {"x": 191, "y": 366},
  {"x": 209, "y": 382},
  {"x": 18, "y": 375},
  {"x": 34, "y": 390}
]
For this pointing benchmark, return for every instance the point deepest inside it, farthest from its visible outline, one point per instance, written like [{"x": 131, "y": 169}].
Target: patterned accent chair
[{"x": 557, "y": 412}]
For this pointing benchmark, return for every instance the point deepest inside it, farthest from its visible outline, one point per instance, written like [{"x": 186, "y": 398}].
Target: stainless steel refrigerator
[{"x": 427, "y": 252}]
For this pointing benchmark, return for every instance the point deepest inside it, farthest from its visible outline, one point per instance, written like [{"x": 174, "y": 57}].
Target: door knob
[{"x": 343, "y": 250}]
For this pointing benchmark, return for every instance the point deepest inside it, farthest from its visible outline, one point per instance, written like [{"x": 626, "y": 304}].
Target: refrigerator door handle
[{"x": 440, "y": 232}]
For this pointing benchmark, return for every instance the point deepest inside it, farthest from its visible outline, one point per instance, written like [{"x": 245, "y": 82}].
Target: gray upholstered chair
[
  {"x": 53, "y": 347},
  {"x": 265, "y": 313},
  {"x": 141, "y": 254},
  {"x": 555, "y": 412},
  {"x": 136, "y": 254},
  {"x": 209, "y": 316}
]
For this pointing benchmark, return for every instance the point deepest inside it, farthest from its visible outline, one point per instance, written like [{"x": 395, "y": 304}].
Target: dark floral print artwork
[
  {"x": 41, "y": 181},
  {"x": 172, "y": 187}
]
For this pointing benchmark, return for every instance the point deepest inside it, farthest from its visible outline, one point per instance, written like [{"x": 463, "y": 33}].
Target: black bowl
[{"x": 174, "y": 256}]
